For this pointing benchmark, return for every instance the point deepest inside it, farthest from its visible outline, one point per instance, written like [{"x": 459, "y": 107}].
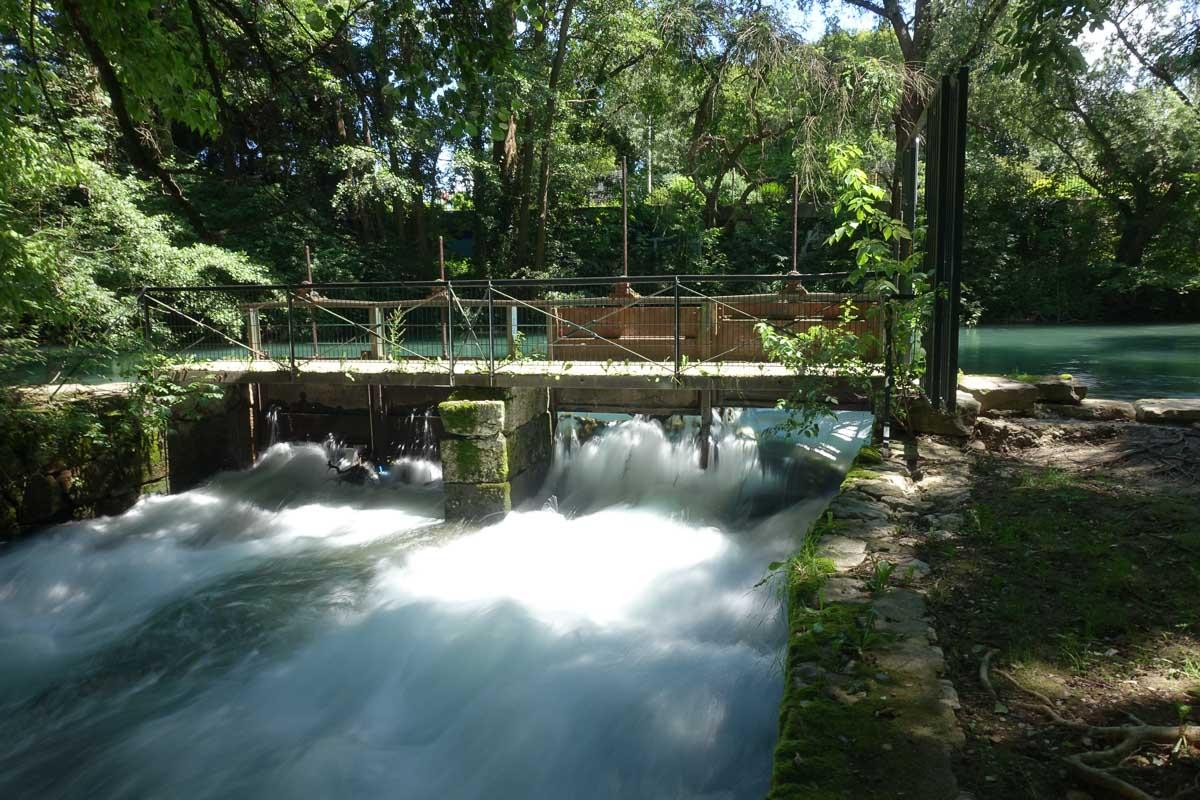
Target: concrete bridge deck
[{"x": 581, "y": 384}]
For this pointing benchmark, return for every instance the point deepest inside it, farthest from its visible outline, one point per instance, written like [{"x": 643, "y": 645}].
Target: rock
[
  {"x": 924, "y": 418},
  {"x": 845, "y": 553},
  {"x": 845, "y": 507},
  {"x": 1059, "y": 389},
  {"x": 947, "y": 522},
  {"x": 883, "y": 486},
  {"x": 841, "y": 589},
  {"x": 1168, "y": 411},
  {"x": 1092, "y": 410},
  {"x": 913, "y": 568},
  {"x": 1001, "y": 394},
  {"x": 1000, "y": 434},
  {"x": 472, "y": 417},
  {"x": 475, "y": 460},
  {"x": 482, "y": 502}
]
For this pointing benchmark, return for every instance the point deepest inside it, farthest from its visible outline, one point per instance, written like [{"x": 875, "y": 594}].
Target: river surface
[
  {"x": 277, "y": 633},
  {"x": 1124, "y": 362}
]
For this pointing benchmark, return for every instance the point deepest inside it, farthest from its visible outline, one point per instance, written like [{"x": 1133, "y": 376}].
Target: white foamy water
[{"x": 279, "y": 633}]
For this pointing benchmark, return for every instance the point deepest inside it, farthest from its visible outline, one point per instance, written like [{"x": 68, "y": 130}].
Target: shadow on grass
[{"x": 1088, "y": 590}]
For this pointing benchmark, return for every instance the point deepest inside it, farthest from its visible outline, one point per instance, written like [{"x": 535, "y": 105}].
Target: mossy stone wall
[{"x": 495, "y": 447}]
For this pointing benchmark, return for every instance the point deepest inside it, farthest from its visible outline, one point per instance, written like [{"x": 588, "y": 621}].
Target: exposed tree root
[
  {"x": 1177, "y": 455},
  {"x": 1095, "y": 766}
]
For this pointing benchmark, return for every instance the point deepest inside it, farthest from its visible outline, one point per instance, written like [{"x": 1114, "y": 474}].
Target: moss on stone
[
  {"x": 477, "y": 501},
  {"x": 469, "y": 460},
  {"x": 472, "y": 417}
]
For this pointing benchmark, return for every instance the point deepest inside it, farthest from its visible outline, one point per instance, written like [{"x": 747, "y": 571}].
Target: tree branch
[{"x": 142, "y": 157}]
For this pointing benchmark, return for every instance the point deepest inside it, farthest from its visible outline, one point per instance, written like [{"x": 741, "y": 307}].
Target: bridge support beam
[{"x": 496, "y": 446}]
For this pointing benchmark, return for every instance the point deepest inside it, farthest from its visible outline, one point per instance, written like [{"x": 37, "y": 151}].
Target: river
[
  {"x": 277, "y": 633},
  {"x": 1123, "y": 362}
]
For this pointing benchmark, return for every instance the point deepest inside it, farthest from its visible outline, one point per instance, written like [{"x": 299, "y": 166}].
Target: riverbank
[
  {"x": 1067, "y": 602},
  {"x": 1040, "y": 579}
]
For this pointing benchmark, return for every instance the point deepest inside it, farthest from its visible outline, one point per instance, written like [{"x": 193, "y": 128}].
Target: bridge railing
[{"x": 674, "y": 322}]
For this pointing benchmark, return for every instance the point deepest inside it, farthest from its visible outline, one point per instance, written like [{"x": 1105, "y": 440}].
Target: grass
[
  {"x": 828, "y": 748},
  {"x": 1089, "y": 587}
]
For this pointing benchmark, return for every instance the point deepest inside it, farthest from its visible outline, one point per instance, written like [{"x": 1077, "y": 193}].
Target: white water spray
[{"x": 281, "y": 633}]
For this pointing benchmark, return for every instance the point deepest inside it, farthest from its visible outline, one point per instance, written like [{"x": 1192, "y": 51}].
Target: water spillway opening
[{"x": 279, "y": 632}]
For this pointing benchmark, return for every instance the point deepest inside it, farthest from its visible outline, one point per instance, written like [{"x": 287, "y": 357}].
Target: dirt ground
[{"x": 1069, "y": 599}]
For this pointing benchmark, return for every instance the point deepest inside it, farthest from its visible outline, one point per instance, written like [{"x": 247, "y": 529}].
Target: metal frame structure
[
  {"x": 676, "y": 326},
  {"x": 946, "y": 135}
]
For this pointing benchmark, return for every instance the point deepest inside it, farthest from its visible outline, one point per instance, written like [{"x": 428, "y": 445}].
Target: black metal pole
[
  {"x": 676, "y": 327},
  {"x": 291, "y": 333},
  {"x": 491, "y": 308},
  {"x": 147, "y": 331},
  {"x": 450, "y": 329}
]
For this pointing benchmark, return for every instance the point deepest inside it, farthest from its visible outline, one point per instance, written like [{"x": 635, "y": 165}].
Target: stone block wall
[
  {"x": 495, "y": 446},
  {"x": 75, "y": 453}
]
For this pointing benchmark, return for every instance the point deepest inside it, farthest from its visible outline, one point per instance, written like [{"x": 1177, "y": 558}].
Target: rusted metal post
[
  {"x": 312, "y": 314},
  {"x": 706, "y": 415},
  {"x": 677, "y": 348},
  {"x": 291, "y": 333},
  {"x": 491, "y": 311},
  {"x": 450, "y": 329},
  {"x": 624, "y": 217},
  {"x": 795, "y": 224}
]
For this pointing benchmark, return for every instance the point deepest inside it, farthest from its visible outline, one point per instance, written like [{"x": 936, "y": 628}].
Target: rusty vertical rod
[
  {"x": 441, "y": 258},
  {"x": 624, "y": 217},
  {"x": 312, "y": 315},
  {"x": 450, "y": 329},
  {"x": 291, "y": 334},
  {"x": 677, "y": 327},
  {"x": 491, "y": 312},
  {"x": 795, "y": 223}
]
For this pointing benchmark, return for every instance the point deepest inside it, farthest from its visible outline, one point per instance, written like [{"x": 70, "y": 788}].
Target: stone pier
[{"x": 495, "y": 448}]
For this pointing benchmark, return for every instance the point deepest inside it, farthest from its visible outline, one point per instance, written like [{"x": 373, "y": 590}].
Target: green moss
[
  {"x": 475, "y": 460},
  {"x": 867, "y": 456}
]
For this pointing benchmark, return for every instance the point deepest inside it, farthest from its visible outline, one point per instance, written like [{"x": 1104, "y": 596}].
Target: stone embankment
[
  {"x": 1049, "y": 397},
  {"x": 893, "y": 712}
]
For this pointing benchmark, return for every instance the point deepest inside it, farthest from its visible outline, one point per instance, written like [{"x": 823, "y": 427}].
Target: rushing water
[
  {"x": 1125, "y": 362},
  {"x": 278, "y": 633}
]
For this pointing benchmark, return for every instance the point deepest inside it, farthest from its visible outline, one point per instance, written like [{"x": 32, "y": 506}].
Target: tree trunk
[
  {"x": 539, "y": 255},
  {"x": 139, "y": 153},
  {"x": 1139, "y": 228}
]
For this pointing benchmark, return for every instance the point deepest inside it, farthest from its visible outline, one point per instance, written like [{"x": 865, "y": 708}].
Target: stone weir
[{"x": 495, "y": 448}]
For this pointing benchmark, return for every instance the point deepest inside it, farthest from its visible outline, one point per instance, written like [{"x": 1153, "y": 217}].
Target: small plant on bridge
[{"x": 826, "y": 356}]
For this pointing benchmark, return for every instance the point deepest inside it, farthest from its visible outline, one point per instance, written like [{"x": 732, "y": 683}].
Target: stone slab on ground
[
  {"x": 1059, "y": 389},
  {"x": 1092, "y": 410},
  {"x": 1168, "y": 411},
  {"x": 924, "y": 418},
  {"x": 999, "y": 394}
]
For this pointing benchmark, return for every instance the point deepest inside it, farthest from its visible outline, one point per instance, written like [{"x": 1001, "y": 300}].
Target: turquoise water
[{"x": 1125, "y": 362}]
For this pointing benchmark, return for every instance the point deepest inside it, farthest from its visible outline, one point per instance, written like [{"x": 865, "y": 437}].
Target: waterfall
[{"x": 280, "y": 632}]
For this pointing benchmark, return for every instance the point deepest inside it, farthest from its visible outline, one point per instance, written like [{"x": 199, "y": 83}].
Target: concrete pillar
[{"x": 495, "y": 447}]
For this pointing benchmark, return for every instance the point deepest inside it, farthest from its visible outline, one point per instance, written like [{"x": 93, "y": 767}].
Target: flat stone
[
  {"x": 1002, "y": 394},
  {"x": 913, "y": 568},
  {"x": 848, "y": 508},
  {"x": 883, "y": 486},
  {"x": 1093, "y": 410},
  {"x": 1180, "y": 411},
  {"x": 1058, "y": 389},
  {"x": 924, "y": 418},
  {"x": 912, "y": 656},
  {"x": 897, "y": 604},
  {"x": 842, "y": 589},
  {"x": 844, "y": 552}
]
